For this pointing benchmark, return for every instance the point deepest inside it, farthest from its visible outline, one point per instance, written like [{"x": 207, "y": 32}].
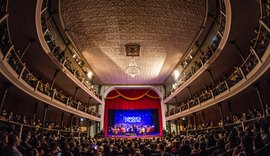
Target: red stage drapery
[{"x": 131, "y": 99}]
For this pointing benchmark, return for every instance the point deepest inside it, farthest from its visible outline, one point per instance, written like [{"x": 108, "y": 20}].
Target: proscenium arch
[{"x": 108, "y": 90}]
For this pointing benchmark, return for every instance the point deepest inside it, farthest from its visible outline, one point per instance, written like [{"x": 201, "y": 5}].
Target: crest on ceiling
[{"x": 132, "y": 49}]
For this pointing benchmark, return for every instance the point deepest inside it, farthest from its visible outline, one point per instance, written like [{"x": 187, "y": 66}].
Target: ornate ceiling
[{"x": 164, "y": 29}]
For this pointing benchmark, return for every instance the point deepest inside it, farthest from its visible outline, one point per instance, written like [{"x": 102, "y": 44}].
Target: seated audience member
[
  {"x": 25, "y": 148},
  {"x": 245, "y": 148},
  {"x": 196, "y": 148},
  {"x": 203, "y": 151},
  {"x": 265, "y": 134},
  {"x": 258, "y": 142},
  {"x": 220, "y": 148},
  {"x": 185, "y": 150},
  {"x": 4, "y": 142},
  {"x": 12, "y": 148}
]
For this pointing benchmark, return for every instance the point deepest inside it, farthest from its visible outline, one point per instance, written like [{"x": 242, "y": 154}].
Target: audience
[{"x": 234, "y": 141}]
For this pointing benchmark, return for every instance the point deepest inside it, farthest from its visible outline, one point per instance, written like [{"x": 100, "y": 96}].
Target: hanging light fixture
[
  {"x": 133, "y": 50},
  {"x": 133, "y": 69}
]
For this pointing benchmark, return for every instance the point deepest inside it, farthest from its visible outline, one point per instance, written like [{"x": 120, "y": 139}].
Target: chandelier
[{"x": 133, "y": 69}]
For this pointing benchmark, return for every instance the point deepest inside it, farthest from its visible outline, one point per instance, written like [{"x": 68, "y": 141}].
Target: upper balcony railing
[
  {"x": 19, "y": 127},
  {"x": 211, "y": 46},
  {"x": 58, "y": 48},
  {"x": 11, "y": 56},
  {"x": 258, "y": 48}
]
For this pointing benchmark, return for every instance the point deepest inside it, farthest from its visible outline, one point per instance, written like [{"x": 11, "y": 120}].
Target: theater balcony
[
  {"x": 25, "y": 64},
  {"x": 241, "y": 78}
]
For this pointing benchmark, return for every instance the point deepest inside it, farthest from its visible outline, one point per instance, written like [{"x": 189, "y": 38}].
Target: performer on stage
[{"x": 134, "y": 128}]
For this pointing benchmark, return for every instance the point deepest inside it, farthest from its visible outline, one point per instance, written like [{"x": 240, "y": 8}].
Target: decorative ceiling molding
[{"x": 164, "y": 30}]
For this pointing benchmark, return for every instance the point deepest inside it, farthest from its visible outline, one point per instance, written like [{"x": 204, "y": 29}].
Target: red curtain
[{"x": 130, "y": 100}]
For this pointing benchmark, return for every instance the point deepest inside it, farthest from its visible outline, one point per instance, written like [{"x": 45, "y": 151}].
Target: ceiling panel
[{"x": 164, "y": 29}]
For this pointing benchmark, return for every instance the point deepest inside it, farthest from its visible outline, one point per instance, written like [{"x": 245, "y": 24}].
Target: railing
[
  {"x": 19, "y": 127},
  {"x": 215, "y": 38},
  {"x": 257, "y": 51},
  {"x": 60, "y": 54},
  {"x": 5, "y": 44},
  {"x": 236, "y": 76},
  {"x": 242, "y": 124},
  {"x": 14, "y": 61}
]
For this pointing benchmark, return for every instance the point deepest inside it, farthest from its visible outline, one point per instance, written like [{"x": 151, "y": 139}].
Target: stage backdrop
[{"x": 132, "y": 99}]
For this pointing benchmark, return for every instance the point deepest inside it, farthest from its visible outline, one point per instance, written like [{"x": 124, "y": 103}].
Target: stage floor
[{"x": 135, "y": 136}]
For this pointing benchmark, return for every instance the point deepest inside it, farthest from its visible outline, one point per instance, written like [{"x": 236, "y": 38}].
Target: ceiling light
[
  {"x": 89, "y": 74},
  {"x": 133, "y": 69},
  {"x": 176, "y": 74},
  {"x": 74, "y": 55}
]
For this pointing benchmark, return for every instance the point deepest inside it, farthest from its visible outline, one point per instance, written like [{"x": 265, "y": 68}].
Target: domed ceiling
[{"x": 164, "y": 29}]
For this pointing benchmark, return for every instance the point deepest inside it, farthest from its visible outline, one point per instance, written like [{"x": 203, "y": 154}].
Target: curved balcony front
[
  {"x": 254, "y": 66},
  {"x": 214, "y": 51},
  {"x": 16, "y": 72},
  {"x": 53, "y": 51}
]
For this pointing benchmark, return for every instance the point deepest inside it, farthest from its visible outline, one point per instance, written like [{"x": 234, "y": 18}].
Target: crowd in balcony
[
  {"x": 204, "y": 57},
  {"x": 43, "y": 86},
  {"x": 208, "y": 92},
  {"x": 228, "y": 80},
  {"x": 13, "y": 58},
  {"x": 80, "y": 74},
  {"x": 233, "y": 119},
  {"x": 9, "y": 118}
]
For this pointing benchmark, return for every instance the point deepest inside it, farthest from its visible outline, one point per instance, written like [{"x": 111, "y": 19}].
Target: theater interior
[{"x": 142, "y": 78}]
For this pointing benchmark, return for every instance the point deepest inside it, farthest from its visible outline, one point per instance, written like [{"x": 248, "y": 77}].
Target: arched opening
[{"x": 132, "y": 112}]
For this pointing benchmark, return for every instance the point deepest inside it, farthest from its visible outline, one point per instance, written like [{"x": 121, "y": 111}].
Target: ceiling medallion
[{"x": 133, "y": 50}]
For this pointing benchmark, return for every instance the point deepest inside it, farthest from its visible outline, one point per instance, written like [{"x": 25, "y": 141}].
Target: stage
[{"x": 154, "y": 135}]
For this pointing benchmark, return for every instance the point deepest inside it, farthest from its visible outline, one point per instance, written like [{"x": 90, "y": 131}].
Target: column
[
  {"x": 189, "y": 91},
  {"x": 4, "y": 95},
  {"x": 97, "y": 127},
  {"x": 34, "y": 116},
  {"x": 221, "y": 112},
  {"x": 169, "y": 126},
  {"x": 97, "y": 108},
  {"x": 176, "y": 126},
  {"x": 62, "y": 118},
  {"x": 203, "y": 117},
  {"x": 179, "y": 124},
  {"x": 229, "y": 104},
  {"x": 27, "y": 47},
  {"x": 75, "y": 93},
  {"x": 54, "y": 78},
  {"x": 211, "y": 76},
  {"x": 88, "y": 127},
  {"x": 238, "y": 50},
  {"x": 176, "y": 101},
  {"x": 259, "y": 94},
  {"x": 45, "y": 109},
  {"x": 71, "y": 121},
  {"x": 195, "y": 120},
  {"x": 77, "y": 121}
]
